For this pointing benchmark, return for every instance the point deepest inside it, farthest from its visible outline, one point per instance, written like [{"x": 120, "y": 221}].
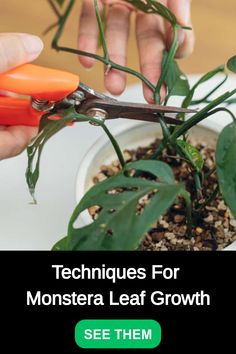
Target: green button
[{"x": 120, "y": 334}]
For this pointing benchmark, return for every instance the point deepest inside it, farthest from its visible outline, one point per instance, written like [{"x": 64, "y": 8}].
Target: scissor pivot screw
[
  {"x": 42, "y": 105},
  {"x": 77, "y": 97},
  {"x": 97, "y": 113}
]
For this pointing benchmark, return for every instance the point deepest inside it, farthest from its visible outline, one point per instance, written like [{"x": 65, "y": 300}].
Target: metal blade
[
  {"x": 145, "y": 108},
  {"x": 150, "y": 117},
  {"x": 126, "y": 110},
  {"x": 130, "y": 106}
]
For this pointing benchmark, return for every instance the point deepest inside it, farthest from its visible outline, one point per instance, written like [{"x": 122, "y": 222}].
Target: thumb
[{"x": 17, "y": 49}]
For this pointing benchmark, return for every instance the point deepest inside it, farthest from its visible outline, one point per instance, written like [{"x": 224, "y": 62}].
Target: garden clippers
[{"x": 51, "y": 90}]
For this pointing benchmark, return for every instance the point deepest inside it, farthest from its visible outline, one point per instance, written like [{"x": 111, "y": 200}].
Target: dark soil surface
[{"x": 214, "y": 226}]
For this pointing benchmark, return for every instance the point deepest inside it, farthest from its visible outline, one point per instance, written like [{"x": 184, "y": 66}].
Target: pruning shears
[{"x": 52, "y": 90}]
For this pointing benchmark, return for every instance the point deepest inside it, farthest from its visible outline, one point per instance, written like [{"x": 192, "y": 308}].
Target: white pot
[{"x": 130, "y": 136}]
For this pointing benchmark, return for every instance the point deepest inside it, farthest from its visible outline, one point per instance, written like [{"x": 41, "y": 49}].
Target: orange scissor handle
[
  {"x": 39, "y": 82},
  {"x": 16, "y": 111}
]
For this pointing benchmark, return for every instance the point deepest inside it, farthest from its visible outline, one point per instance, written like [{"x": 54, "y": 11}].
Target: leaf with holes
[
  {"x": 153, "y": 6},
  {"x": 121, "y": 224},
  {"x": 225, "y": 165},
  {"x": 192, "y": 154},
  {"x": 47, "y": 129}
]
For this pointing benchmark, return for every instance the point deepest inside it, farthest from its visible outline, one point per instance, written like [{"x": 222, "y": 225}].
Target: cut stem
[
  {"x": 78, "y": 117},
  {"x": 188, "y": 202},
  {"x": 209, "y": 200}
]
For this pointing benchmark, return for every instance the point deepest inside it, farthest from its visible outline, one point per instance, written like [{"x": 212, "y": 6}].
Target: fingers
[
  {"x": 13, "y": 140},
  {"x": 151, "y": 45},
  {"x": 17, "y": 49},
  {"x": 117, "y": 34},
  {"x": 182, "y": 11},
  {"x": 152, "y": 35},
  {"x": 88, "y": 32}
]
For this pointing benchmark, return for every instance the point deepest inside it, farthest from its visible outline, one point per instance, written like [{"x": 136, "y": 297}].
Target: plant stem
[
  {"x": 54, "y": 8},
  {"x": 223, "y": 109},
  {"x": 188, "y": 99},
  {"x": 101, "y": 30},
  {"x": 49, "y": 28},
  {"x": 207, "y": 175},
  {"x": 115, "y": 145},
  {"x": 104, "y": 60},
  {"x": 198, "y": 117},
  {"x": 164, "y": 127},
  {"x": 210, "y": 199},
  {"x": 198, "y": 184},
  {"x": 204, "y": 99},
  {"x": 78, "y": 117},
  {"x": 170, "y": 57},
  {"x": 159, "y": 150},
  {"x": 188, "y": 202},
  {"x": 62, "y": 22}
]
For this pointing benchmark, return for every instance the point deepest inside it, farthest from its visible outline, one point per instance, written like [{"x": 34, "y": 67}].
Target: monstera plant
[{"x": 119, "y": 224}]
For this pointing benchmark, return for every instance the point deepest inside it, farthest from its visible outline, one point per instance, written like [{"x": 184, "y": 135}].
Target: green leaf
[
  {"x": 188, "y": 99},
  {"x": 192, "y": 154},
  {"x": 60, "y": 2},
  {"x": 47, "y": 129},
  {"x": 226, "y": 166},
  {"x": 201, "y": 115},
  {"x": 119, "y": 226},
  {"x": 60, "y": 245},
  {"x": 157, "y": 168},
  {"x": 153, "y": 6},
  {"x": 175, "y": 80},
  {"x": 210, "y": 75},
  {"x": 206, "y": 99},
  {"x": 231, "y": 64}
]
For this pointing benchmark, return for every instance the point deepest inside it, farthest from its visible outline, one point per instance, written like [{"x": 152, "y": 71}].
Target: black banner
[{"x": 45, "y": 294}]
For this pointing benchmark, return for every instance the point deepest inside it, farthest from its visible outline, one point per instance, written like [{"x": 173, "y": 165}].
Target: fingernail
[
  {"x": 181, "y": 37},
  {"x": 149, "y": 97},
  {"x": 32, "y": 44},
  {"x": 186, "y": 11}
]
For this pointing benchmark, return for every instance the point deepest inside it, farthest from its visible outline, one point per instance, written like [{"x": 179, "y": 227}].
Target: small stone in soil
[
  {"x": 179, "y": 218},
  {"x": 233, "y": 223}
]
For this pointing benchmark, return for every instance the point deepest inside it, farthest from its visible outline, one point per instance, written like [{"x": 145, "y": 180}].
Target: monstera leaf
[
  {"x": 192, "y": 154},
  {"x": 153, "y": 6},
  {"x": 225, "y": 164},
  {"x": 120, "y": 225},
  {"x": 47, "y": 129}
]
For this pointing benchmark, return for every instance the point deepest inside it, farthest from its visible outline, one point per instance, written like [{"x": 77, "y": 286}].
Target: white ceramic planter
[{"x": 130, "y": 136}]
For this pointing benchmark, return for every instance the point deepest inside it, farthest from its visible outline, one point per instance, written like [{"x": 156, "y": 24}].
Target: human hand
[
  {"x": 16, "y": 49},
  {"x": 152, "y": 33}
]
